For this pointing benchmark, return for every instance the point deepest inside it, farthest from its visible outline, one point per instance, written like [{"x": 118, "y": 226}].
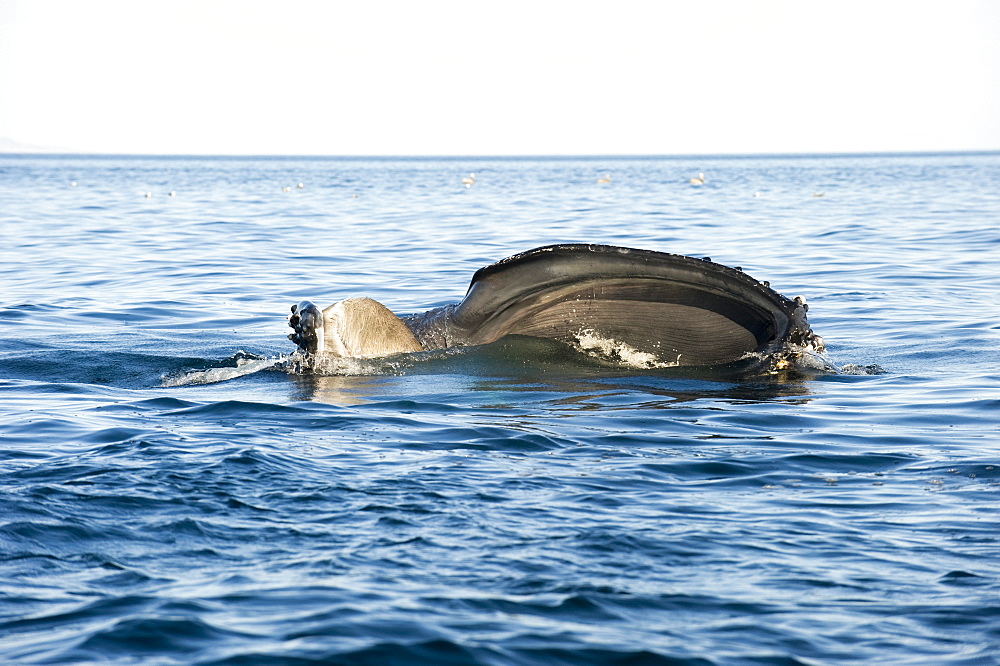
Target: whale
[{"x": 644, "y": 307}]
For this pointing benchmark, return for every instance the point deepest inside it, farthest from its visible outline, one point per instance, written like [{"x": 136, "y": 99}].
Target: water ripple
[{"x": 171, "y": 492}]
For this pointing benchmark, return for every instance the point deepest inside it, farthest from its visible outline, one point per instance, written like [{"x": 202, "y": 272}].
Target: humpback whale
[{"x": 663, "y": 309}]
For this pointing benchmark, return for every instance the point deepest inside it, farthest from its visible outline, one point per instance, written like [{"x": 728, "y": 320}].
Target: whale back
[{"x": 680, "y": 310}]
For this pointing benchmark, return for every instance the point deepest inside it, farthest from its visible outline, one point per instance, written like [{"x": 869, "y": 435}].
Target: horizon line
[{"x": 498, "y": 156}]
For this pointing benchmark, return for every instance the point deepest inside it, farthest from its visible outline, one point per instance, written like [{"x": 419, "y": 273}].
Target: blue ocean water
[{"x": 167, "y": 497}]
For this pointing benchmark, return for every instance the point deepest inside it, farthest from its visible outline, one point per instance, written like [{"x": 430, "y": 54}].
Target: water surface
[{"x": 517, "y": 503}]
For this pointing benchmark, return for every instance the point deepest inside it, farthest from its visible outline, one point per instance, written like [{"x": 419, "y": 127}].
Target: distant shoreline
[{"x": 56, "y": 153}]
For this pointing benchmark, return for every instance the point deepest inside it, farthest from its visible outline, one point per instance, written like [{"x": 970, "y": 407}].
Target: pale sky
[{"x": 498, "y": 78}]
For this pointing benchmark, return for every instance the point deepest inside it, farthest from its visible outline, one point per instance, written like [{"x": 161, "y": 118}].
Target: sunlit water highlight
[{"x": 170, "y": 492}]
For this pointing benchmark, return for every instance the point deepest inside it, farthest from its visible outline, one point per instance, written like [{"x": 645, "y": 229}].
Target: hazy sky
[{"x": 537, "y": 77}]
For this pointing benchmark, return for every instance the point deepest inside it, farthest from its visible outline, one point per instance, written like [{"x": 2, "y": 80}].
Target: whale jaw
[
  {"x": 307, "y": 324},
  {"x": 353, "y": 328}
]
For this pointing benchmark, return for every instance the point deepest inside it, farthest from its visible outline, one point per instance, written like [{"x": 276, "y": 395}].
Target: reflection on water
[
  {"x": 523, "y": 366},
  {"x": 583, "y": 392},
  {"x": 339, "y": 389}
]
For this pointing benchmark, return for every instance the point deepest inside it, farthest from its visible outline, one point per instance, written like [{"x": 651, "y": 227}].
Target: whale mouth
[
  {"x": 672, "y": 322},
  {"x": 655, "y": 308}
]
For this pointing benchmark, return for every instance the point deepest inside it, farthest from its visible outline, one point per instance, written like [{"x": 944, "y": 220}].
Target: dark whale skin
[{"x": 682, "y": 310}]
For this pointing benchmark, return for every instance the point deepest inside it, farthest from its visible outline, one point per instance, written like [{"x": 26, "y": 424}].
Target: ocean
[{"x": 172, "y": 493}]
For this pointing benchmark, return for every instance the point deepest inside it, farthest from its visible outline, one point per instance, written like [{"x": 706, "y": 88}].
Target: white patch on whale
[{"x": 596, "y": 345}]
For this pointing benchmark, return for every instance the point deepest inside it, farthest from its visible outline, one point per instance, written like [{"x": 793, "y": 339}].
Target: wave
[{"x": 244, "y": 366}]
